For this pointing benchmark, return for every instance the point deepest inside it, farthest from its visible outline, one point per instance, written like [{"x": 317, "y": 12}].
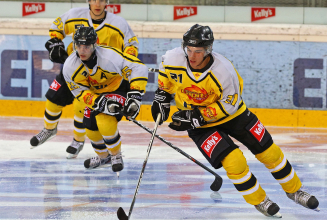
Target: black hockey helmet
[
  {"x": 199, "y": 36},
  {"x": 85, "y": 36}
]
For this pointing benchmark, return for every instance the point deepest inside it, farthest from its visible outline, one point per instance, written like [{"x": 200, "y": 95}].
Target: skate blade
[
  {"x": 317, "y": 209},
  {"x": 277, "y": 215},
  {"x": 71, "y": 156}
]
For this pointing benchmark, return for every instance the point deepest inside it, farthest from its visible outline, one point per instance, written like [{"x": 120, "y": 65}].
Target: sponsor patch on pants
[
  {"x": 55, "y": 85},
  {"x": 210, "y": 143},
  {"x": 258, "y": 130}
]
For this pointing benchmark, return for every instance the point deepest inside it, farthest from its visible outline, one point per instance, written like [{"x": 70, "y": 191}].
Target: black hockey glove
[
  {"x": 161, "y": 104},
  {"x": 107, "y": 106},
  {"x": 133, "y": 103},
  {"x": 187, "y": 119},
  {"x": 57, "y": 52}
]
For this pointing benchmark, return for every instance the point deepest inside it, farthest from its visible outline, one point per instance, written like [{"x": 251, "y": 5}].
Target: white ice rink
[{"x": 41, "y": 183}]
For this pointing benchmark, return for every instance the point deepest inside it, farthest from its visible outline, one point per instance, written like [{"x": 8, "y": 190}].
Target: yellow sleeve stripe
[
  {"x": 52, "y": 30},
  {"x": 139, "y": 79}
]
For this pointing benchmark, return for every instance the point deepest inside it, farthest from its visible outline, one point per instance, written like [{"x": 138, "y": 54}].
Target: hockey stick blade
[
  {"x": 121, "y": 214},
  {"x": 216, "y": 185}
]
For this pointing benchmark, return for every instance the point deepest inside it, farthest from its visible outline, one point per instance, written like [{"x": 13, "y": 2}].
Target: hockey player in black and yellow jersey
[
  {"x": 107, "y": 82},
  {"x": 112, "y": 31},
  {"x": 208, "y": 93}
]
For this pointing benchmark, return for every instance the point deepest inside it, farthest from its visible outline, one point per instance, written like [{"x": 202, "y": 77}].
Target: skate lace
[
  {"x": 265, "y": 205},
  {"x": 301, "y": 197},
  {"x": 95, "y": 161},
  {"x": 116, "y": 159},
  {"x": 76, "y": 144},
  {"x": 44, "y": 134}
]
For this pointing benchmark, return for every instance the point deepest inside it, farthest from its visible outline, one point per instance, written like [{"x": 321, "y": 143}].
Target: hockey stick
[
  {"x": 153, "y": 70},
  {"x": 215, "y": 186},
  {"x": 120, "y": 212}
]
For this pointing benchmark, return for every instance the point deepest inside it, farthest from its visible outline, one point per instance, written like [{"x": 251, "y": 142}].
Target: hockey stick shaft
[
  {"x": 144, "y": 164},
  {"x": 153, "y": 70},
  {"x": 218, "y": 178}
]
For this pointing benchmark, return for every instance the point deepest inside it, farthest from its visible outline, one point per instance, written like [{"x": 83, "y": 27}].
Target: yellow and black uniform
[
  {"x": 112, "y": 31},
  {"x": 216, "y": 90},
  {"x": 110, "y": 75}
]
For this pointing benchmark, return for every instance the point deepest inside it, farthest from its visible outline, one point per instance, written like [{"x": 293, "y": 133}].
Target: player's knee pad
[
  {"x": 94, "y": 136},
  {"x": 271, "y": 157},
  {"x": 235, "y": 163},
  {"x": 78, "y": 108},
  {"x": 52, "y": 108},
  {"x": 107, "y": 124}
]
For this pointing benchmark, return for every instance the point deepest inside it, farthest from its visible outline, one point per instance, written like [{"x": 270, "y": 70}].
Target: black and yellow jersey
[
  {"x": 114, "y": 31},
  {"x": 216, "y": 91},
  {"x": 106, "y": 76}
]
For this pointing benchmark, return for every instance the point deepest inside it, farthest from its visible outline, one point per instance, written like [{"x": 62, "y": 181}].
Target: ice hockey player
[
  {"x": 112, "y": 31},
  {"x": 208, "y": 93},
  {"x": 107, "y": 82}
]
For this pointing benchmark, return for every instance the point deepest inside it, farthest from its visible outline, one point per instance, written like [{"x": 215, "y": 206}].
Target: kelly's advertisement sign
[
  {"x": 115, "y": 9},
  {"x": 262, "y": 13},
  {"x": 32, "y": 8},
  {"x": 184, "y": 11}
]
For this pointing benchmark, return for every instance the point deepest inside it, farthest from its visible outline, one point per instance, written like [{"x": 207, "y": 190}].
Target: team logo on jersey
[
  {"x": 196, "y": 94},
  {"x": 258, "y": 131},
  {"x": 118, "y": 98},
  {"x": 115, "y": 9},
  {"x": 55, "y": 85},
  {"x": 32, "y": 8},
  {"x": 262, "y": 13},
  {"x": 210, "y": 143},
  {"x": 209, "y": 112},
  {"x": 184, "y": 11},
  {"x": 88, "y": 98},
  {"x": 161, "y": 85},
  {"x": 87, "y": 112}
]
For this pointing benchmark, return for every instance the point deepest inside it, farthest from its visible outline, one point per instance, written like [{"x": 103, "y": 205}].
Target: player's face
[
  {"x": 97, "y": 8},
  {"x": 84, "y": 51},
  {"x": 195, "y": 56}
]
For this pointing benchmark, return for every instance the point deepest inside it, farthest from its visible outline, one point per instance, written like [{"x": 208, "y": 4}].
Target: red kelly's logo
[
  {"x": 262, "y": 13},
  {"x": 55, "y": 85},
  {"x": 87, "y": 112},
  {"x": 33, "y": 8},
  {"x": 184, "y": 11},
  {"x": 258, "y": 130},
  {"x": 210, "y": 143},
  {"x": 115, "y": 9},
  {"x": 118, "y": 98}
]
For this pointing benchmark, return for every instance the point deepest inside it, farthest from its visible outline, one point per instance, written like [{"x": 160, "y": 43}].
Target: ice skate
[
  {"x": 96, "y": 162},
  {"x": 117, "y": 163},
  {"x": 74, "y": 148},
  {"x": 42, "y": 137},
  {"x": 268, "y": 208},
  {"x": 305, "y": 199}
]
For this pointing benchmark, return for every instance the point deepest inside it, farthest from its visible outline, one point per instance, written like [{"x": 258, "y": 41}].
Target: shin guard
[{"x": 274, "y": 159}]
